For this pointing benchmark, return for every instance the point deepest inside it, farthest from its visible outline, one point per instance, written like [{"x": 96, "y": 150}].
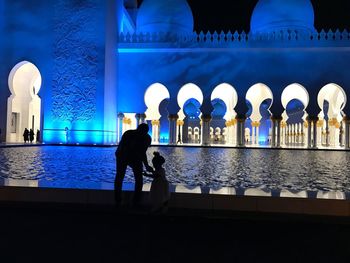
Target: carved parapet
[{"x": 215, "y": 38}]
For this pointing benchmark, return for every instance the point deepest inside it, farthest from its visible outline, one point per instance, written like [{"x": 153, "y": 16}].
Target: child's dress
[{"x": 159, "y": 193}]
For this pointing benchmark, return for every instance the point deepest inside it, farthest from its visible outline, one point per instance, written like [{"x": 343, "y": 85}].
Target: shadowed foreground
[{"x": 61, "y": 233}]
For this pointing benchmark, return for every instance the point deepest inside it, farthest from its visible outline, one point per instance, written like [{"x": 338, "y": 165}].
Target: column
[
  {"x": 155, "y": 131},
  {"x": 142, "y": 118},
  {"x": 307, "y": 124},
  {"x": 334, "y": 127},
  {"x": 234, "y": 132},
  {"x": 228, "y": 138},
  {"x": 138, "y": 118},
  {"x": 273, "y": 132},
  {"x": 120, "y": 126},
  {"x": 319, "y": 133},
  {"x": 179, "y": 131},
  {"x": 278, "y": 122},
  {"x": 346, "y": 121},
  {"x": 206, "y": 118},
  {"x": 240, "y": 138},
  {"x": 172, "y": 128},
  {"x": 255, "y": 132},
  {"x": 314, "y": 125},
  {"x": 283, "y": 127}
]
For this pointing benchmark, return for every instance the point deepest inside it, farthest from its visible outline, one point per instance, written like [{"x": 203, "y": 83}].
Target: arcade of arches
[{"x": 258, "y": 127}]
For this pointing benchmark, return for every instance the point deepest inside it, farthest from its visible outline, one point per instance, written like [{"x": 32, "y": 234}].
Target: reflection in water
[
  {"x": 331, "y": 195},
  {"x": 188, "y": 189},
  {"x": 292, "y": 172},
  {"x": 293, "y": 194},
  {"x": 257, "y": 192}
]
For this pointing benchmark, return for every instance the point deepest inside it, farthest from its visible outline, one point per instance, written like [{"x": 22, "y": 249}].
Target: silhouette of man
[{"x": 131, "y": 152}]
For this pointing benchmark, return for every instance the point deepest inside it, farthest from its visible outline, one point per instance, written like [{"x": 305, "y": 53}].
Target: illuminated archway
[
  {"x": 295, "y": 99},
  {"x": 331, "y": 99},
  {"x": 227, "y": 93},
  {"x": 188, "y": 94},
  {"x": 154, "y": 96},
  {"x": 260, "y": 98},
  {"x": 24, "y": 104}
]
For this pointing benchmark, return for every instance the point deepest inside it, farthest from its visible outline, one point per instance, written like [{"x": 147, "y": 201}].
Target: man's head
[{"x": 143, "y": 128}]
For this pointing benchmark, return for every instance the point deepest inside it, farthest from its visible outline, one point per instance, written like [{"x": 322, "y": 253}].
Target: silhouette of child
[{"x": 159, "y": 193}]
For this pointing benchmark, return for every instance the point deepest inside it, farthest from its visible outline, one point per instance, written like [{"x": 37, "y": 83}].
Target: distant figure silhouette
[
  {"x": 159, "y": 193},
  {"x": 31, "y": 135},
  {"x": 26, "y": 135},
  {"x": 37, "y": 136},
  {"x": 131, "y": 152},
  {"x": 66, "y": 130}
]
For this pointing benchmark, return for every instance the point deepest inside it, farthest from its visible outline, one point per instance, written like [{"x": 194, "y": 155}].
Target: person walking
[{"x": 131, "y": 152}]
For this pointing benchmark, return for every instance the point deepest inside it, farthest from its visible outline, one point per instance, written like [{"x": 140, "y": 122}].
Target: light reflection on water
[{"x": 214, "y": 168}]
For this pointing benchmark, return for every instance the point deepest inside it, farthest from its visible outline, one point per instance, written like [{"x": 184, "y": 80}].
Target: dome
[
  {"x": 171, "y": 16},
  {"x": 274, "y": 15}
]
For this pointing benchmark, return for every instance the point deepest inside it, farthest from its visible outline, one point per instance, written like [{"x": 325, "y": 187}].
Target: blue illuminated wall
[{"x": 66, "y": 40}]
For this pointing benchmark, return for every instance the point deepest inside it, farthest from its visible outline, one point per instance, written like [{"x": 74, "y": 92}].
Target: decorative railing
[{"x": 236, "y": 37}]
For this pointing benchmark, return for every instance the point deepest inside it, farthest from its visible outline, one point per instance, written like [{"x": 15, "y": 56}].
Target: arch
[
  {"x": 336, "y": 97},
  {"x": 294, "y": 91},
  {"x": 153, "y": 97},
  {"x": 256, "y": 95},
  {"x": 331, "y": 99},
  {"x": 228, "y": 95},
  {"x": 188, "y": 91},
  {"x": 24, "y": 104}
]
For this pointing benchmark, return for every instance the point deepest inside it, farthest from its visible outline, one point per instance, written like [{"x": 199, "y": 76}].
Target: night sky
[{"x": 218, "y": 15}]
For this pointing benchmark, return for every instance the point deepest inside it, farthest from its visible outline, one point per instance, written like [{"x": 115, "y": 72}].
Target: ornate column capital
[
  {"x": 206, "y": 117},
  {"x": 180, "y": 122},
  {"x": 173, "y": 117},
  {"x": 312, "y": 118},
  {"x": 155, "y": 122},
  {"x": 346, "y": 119},
  {"x": 121, "y": 115},
  {"x": 255, "y": 123}
]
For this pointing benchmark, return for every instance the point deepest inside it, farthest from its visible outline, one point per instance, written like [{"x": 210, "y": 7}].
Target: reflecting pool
[{"x": 215, "y": 169}]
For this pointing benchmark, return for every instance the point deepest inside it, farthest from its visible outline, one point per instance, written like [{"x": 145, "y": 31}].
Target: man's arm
[{"x": 144, "y": 157}]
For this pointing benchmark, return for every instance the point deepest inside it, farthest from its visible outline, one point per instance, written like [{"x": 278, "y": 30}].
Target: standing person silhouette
[
  {"x": 31, "y": 135},
  {"x": 37, "y": 135},
  {"x": 131, "y": 152},
  {"x": 159, "y": 193},
  {"x": 26, "y": 135}
]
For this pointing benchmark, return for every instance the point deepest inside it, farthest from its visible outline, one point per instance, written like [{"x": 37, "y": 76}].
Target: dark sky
[{"x": 219, "y": 15}]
